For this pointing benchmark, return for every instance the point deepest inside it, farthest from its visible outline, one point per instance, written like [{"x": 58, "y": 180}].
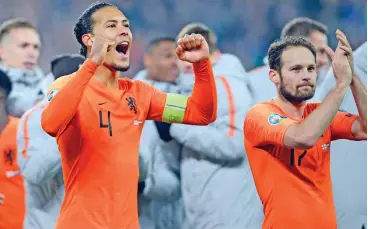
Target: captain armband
[{"x": 174, "y": 108}]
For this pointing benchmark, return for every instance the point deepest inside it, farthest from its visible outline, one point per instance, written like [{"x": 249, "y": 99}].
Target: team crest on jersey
[
  {"x": 51, "y": 95},
  {"x": 9, "y": 157},
  {"x": 275, "y": 119},
  {"x": 132, "y": 104}
]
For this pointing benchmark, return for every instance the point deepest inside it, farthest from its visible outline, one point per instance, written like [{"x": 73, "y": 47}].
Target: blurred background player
[
  {"x": 294, "y": 147},
  {"x": 349, "y": 158},
  {"x": 159, "y": 204},
  {"x": 19, "y": 54},
  {"x": 313, "y": 30},
  {"x": 212, "y": 158},
  {"x": 61, "y": 65},
  {"x": 39, "y": 157},
  {"x": 12, "y": 206}
]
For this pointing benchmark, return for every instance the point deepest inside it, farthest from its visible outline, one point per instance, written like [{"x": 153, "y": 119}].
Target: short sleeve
[
  {"x": 341, "y": 126},
  {"x": 266, "y": 125}
]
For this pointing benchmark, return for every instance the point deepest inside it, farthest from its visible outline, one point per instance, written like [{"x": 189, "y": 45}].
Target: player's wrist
[
  {"x": 95, "y": 61},
  {"x": 202, "y": 65},
  {"x": 90, "y": 65},
  {"x": 340, "y": 88}
]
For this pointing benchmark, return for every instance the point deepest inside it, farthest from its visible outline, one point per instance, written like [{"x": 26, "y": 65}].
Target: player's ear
[
  {"x": 274, "y": 76},
  {"x": 87, "y": 40}
]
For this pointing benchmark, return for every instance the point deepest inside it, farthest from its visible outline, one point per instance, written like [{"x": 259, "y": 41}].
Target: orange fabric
[
  {"x": 11, "y": 182},
  {"x": 202, "y": 104},
  {"x": 294, "y": 185},
  {"x": 231, "y": 102},
  {"x": 75, "y": 86},
  {"x": 98, "y": 131}
]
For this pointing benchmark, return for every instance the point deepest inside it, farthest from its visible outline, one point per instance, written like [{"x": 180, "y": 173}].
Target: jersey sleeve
[
  {"x": 198, "y": 109},
  {"x": 341, "y": 126},
  {"x": 157, "y": 103},
  {"x": 265, "y": 125},
  {"x": 64, "y": 97}
]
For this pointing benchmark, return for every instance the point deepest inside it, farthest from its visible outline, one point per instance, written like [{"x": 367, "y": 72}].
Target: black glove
[{"x": 163, "y": 129}]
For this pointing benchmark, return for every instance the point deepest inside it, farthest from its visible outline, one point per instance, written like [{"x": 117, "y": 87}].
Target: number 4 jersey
[
  {"x": 99, "y": 154},
  {"x": 98, "y": 130},
  {"x": 294, "y": 185}
]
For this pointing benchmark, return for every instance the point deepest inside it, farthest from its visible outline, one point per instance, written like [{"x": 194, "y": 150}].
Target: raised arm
[
  {"x": 65, "y": 94},
  {"x": 64, "y": 97},
  {"x": 306, "y": 134},
  {"x": 359, "y": 127},
  {"x": 201, "y": 107},
  {"x": 358, "y": 92}
]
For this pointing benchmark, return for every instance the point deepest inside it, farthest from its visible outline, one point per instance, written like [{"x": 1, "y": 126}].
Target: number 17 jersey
[{"x": 294, "y": 185}]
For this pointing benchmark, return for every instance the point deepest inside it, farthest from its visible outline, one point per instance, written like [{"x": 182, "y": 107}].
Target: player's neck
[
  {"x": 108, "y": 76},
  {"x": 294, "y": 110}
]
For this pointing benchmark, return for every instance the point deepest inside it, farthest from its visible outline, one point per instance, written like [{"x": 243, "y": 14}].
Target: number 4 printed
[{"x": 108, "y": 125}]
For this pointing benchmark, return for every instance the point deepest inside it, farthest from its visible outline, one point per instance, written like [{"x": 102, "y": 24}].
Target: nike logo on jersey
[{"x": 325, "y": 146}]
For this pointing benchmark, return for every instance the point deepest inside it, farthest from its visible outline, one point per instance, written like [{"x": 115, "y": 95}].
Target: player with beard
[
  {"x": 316, "y": 33},
  {"x": 287, "y": 140},
  {"x": 97, "y": 119}
]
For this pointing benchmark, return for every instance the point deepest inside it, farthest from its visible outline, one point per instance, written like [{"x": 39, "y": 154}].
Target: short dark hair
[
  {"x": 279, "y": 46},
  {"x": 202, "y": 29},
  {"x": 85, "y": 23},
  {"x": 65, "y": 64},
  {"x": 303, "y": 27},
  {"x": 15, "y": 23},
  {"x": 155, "y": 42},
  {"x": 5, "y": 83}
]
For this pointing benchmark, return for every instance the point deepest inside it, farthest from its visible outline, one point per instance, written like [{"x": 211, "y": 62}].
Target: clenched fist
[
  {"x": 192, "y": 48},
  {"x": 101, "y": 45}
]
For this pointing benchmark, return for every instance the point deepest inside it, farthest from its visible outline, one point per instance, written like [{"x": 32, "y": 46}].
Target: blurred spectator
[
  {"x": 40, "y": 162},
  {"x": 216, "y": 182},
  {"x": 19, "y": 54},
  {"x": 160, "y": 205},
  {"x": 62, "y": 65},
  {"x": 12, "y": 201},
  {"x": 244, "y": 28}
]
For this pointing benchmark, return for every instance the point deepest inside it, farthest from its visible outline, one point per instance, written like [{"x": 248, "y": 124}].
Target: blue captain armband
[{"x": 174, "y": 108}]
